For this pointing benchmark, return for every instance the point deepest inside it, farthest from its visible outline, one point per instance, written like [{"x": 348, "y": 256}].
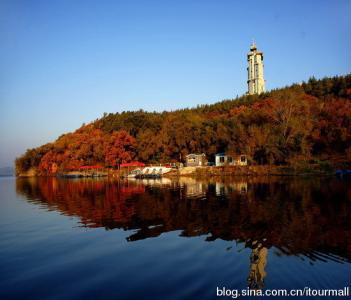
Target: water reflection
[
  {"x": 306, "y": 218},
  {"x": 227, "y": 188},
  {"x": 258, "y": 261}
]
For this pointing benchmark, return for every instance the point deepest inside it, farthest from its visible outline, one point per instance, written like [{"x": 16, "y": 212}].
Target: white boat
[
  {"x": 149, "y": 172},
  {"x": 155, "y": 171},
  {"x": 134, "y": 173}
]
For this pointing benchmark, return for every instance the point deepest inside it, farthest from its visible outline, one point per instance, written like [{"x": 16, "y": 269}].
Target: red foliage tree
[{"x": 119, "y": 148}]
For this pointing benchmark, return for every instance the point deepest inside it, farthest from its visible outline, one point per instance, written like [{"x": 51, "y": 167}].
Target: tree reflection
[{"x": 302, "y": 217}]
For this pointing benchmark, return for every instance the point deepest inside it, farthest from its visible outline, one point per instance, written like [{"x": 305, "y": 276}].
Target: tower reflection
[{"x": 258, "y": 261}]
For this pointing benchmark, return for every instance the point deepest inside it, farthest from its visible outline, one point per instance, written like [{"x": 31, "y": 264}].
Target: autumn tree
[{"x": 119, "y": 147}]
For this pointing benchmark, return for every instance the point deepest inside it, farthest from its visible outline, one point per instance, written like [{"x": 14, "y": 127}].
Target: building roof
[
  {"x": 220, "y": 154},
  {"x": 133, "y": 164},
  {"x": 236, "y": 155},
  {"x": 91, "y": 167},
  {"x": 194, "y": 154}
]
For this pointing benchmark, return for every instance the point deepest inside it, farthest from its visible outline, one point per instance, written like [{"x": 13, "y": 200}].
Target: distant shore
[{"x": 7, "y": 171}]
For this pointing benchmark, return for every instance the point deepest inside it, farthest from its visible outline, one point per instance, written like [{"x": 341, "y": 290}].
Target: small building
[
  {"x": 229, "y": 160},
  {"x": 195, "y": 160}
]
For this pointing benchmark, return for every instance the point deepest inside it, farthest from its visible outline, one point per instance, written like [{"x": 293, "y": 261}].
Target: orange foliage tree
[{"x": 119, "y": 148}]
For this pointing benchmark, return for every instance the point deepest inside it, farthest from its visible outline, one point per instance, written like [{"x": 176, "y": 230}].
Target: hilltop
[{"x": 299, "y": 124}]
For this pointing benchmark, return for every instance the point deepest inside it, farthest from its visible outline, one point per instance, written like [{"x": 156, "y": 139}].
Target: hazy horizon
[{"x": 66, "y": 63}]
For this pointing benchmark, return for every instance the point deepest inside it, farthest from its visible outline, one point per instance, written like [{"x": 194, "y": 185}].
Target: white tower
[{"x": 255, "y": 82}]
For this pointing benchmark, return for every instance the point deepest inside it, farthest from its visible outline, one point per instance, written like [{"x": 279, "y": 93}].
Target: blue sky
[{"x": 63, "y": 63}]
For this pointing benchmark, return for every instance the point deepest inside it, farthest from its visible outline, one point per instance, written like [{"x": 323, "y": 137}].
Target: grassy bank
[{"x": 265, "y": 170}]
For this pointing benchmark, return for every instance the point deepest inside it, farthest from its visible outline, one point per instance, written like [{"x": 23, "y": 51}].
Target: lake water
[{"x": 172, "y": 239}]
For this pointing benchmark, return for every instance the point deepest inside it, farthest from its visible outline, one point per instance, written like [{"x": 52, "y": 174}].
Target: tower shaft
[{"x": 255, "y": 82}]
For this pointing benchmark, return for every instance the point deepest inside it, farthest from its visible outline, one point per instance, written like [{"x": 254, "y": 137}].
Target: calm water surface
[{"x": 171, "y": 239}]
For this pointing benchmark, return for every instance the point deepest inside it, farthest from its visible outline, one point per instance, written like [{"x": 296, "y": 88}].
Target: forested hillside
[{"x": 306, "y": 123}]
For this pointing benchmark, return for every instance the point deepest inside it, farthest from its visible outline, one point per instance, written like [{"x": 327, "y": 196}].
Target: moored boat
[
  {"x": 134, "y": 173},
  {"x": 153, "y": 172}
]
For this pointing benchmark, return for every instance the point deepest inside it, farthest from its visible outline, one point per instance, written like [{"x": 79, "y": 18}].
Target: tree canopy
[{"x": 304, "y": 121}]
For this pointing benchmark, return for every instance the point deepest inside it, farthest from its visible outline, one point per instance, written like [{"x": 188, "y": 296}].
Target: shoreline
[{"x": 204, "y": 172}]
